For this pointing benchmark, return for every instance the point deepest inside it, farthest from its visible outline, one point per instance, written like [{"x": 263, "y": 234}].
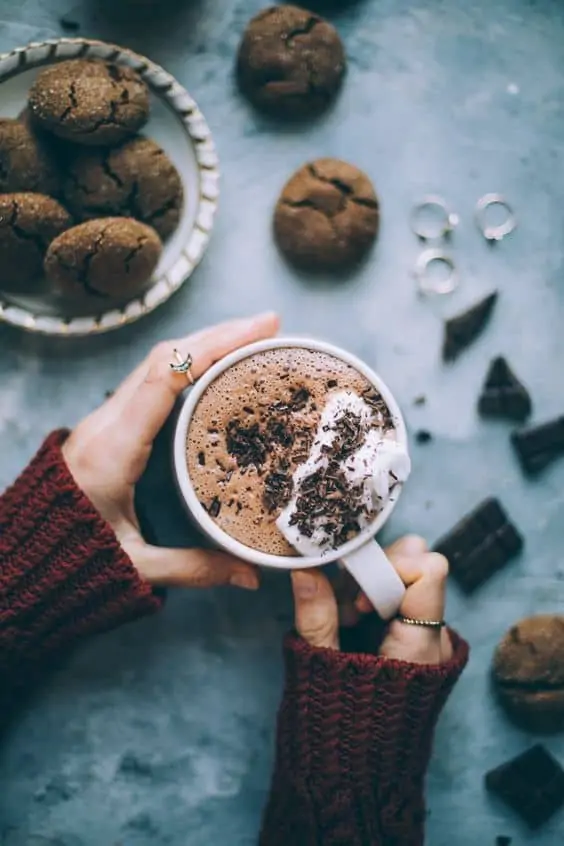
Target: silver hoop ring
[
  {"x": 440, "y": 287},
  {"x": 446, "y": 224},
  {"x": 499, "y": 232},
  {"x": 426, "y": 624},
  {"x": 183, "y": 366}
]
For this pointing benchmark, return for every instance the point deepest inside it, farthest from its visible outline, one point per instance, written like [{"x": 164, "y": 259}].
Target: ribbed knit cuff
[
  {"x": 353, "y": 743},
  {"x": 63, "y": 574},
  {"x": 353, "y": 716}
]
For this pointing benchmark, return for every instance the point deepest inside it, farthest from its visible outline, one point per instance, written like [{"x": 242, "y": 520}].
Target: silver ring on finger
[{"x": 183, "y": 365}]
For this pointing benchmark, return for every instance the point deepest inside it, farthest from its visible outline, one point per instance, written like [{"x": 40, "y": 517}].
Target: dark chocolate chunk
[
  {"x": 532, "y": 784},
  {"x": 503, "y": 395},
  {"x": 423, "y": 436},
  {"x": 464, "y": 328},
  {"x": 480, "y": 544},
  {"x": 502, "y": 841},
  {"x": 538, "y": 446}
]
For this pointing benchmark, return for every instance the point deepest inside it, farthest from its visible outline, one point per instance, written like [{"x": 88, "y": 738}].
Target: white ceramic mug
[{"x": 363, "y": 557}]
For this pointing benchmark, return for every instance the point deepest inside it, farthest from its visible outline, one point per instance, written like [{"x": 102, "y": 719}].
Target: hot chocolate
[{"x": 292, "y": 451}]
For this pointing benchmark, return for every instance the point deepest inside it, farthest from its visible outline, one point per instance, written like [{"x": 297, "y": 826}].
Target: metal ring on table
[
  {"x": 444, "y": 226},
  {"x": 442, "y": 286},
  {"x": 494, "y": 233}
]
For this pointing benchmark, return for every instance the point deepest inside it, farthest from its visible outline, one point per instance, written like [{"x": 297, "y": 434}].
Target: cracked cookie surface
[
  {"x": 28, "y": 224},
  {"x": 327, "y": 215},
  {"x": 108, "y": 259},
  {"x": 528, "y": 671},
  {"x": 135, "y": 180},
  {"x": 26, "y": 161},
  {"x": 89, "y": 102},
  {"x": 290, "y": 61}
]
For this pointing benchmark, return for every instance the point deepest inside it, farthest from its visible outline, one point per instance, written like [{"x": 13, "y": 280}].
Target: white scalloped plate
[{"x": 177, "y": 124}]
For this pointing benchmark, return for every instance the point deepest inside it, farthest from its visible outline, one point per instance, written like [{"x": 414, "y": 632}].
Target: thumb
[
  {"x": 195, "y": 568},
  {"x": 317, "y": 615}
]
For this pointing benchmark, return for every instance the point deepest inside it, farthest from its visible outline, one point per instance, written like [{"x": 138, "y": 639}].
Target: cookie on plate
[
  {"x": 89, "y": 102},
  {"x": 112, "y": 258},
  {"x": 136, "y": 180},
  {"x": 327, "y": 216},
  {"x": 28, "y": 224},
  {"x": 290, "y": 62},
  {"x": 27, "y": 163},
  {"x": 528, "y": 672}
]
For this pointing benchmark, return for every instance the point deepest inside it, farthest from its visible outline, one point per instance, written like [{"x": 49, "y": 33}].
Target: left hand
[
  {"x": 108, "y": 452},
  {"x": 319, "y": 614}
]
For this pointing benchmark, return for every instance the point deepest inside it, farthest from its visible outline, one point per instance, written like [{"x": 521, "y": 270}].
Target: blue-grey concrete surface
[{"x": 162, "y": 733}]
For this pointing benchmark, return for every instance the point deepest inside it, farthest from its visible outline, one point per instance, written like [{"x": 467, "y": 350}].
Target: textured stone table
[{"x": 162, "y": 733}]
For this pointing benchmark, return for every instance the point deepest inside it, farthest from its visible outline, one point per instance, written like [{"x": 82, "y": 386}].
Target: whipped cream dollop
[{"x": 353, "y": 465}]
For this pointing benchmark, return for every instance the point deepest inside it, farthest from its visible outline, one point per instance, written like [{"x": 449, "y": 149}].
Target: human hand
[
  {"x": 108, "y": 452},
  {"x": 319, "y": 614}
]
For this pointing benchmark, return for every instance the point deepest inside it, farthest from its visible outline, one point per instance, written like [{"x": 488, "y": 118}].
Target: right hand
[{"x": 319, "y": 613}]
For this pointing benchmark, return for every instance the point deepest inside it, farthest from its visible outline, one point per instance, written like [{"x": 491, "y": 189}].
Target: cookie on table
[
  {"x": 290, "y": 61},
  {"x": 89, "y": 102},
  {"x": 28, "y": 224},
  {"x": 136, "y": 179},
  {"x": 528, "y": 672},
  {"x": 327, "y": 216},
  {"x": 26, "y": 161},
  {"x": 110, "y": 258}
]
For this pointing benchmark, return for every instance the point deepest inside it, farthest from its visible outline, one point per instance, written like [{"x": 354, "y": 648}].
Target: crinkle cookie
[
  {"x": 110, "y": 258},
  {"x": 89, "y": 102},
  {"x": 136, "y": 180}
]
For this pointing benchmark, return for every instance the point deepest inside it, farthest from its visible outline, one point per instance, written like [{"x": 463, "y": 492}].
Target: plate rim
[{"x": 196, "y": 127}]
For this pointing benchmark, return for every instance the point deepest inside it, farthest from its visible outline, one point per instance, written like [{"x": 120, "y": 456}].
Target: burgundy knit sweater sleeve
[
  {"x": 353, "y": 744},
  {"x": 63, "y": 575}
]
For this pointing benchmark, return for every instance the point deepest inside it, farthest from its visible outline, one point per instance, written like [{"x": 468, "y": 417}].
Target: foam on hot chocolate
[
  {"x": 352, "y": 468},
  {"x": 255, "y": 426}
]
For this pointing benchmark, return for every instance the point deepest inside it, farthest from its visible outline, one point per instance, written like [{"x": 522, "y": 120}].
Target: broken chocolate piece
[
  {"x": 464, "y": 328},
  {"x": 503, "y": 395},
  {"x": 480, "y": 544},
  {"x": 538, "y": 446},
  {"x": 532, "y": 784}
]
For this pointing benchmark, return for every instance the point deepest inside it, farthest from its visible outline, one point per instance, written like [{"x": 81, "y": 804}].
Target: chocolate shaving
[
  {"x": 279, "y": 432},
  {"x": 246, "y": 443},
  {"x": 326, "y": 494},
  {"x": 278, "y": 487},
  {"x": 215, "y": 508}
]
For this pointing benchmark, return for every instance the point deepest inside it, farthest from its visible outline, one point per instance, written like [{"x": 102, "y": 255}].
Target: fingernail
[
  {"x": 412, "y": 545},
  {"x": 305, "y": 585},
  {"x": 247, "y": 581}
]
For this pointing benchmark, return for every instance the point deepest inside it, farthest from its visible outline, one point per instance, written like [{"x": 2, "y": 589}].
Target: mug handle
[{"x": 376, "y": 575}]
